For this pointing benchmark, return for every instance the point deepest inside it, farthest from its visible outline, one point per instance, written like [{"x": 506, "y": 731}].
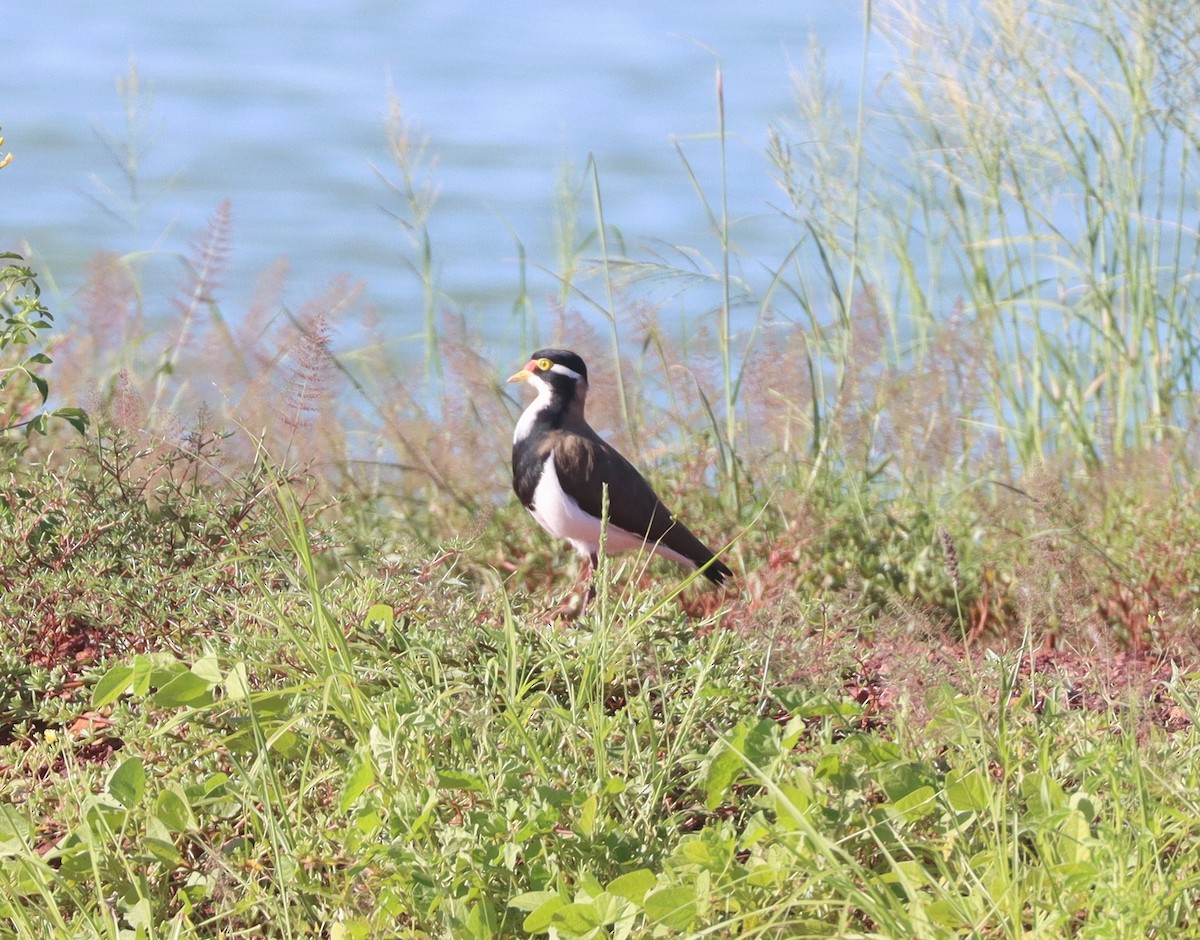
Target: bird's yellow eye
[{"x": 544, "y": 365}]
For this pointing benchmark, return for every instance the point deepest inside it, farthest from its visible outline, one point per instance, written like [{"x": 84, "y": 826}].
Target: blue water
[{"x": 280, "y": 108}]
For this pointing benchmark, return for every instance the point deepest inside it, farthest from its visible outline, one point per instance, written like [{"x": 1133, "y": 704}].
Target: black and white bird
[{"x": 561, "y": 466}]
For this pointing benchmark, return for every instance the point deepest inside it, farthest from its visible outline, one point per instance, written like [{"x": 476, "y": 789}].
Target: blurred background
[{"x": 131, "y": 124}]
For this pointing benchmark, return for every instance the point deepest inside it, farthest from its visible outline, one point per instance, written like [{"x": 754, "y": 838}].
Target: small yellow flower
[{"x": 51, "y": 735}]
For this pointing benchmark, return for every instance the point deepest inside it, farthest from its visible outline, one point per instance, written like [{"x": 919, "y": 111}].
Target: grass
[{"x": 283, "y": 666}]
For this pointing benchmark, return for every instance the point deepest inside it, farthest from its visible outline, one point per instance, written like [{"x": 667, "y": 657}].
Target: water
[{"x": 280, "y": 108}]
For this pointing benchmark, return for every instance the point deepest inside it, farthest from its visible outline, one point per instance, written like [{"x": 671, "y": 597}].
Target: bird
[{"x": 561, "y": 468}]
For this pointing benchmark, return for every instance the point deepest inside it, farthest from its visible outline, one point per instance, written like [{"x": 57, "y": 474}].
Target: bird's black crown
[{"x": 563, "y": 357}]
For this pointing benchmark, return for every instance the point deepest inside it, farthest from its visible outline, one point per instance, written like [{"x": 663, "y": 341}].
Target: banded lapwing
[{"x": 561, "y": 467}]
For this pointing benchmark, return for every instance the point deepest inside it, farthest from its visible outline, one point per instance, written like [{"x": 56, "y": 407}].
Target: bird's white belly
[{"x": 561, "y": 516}]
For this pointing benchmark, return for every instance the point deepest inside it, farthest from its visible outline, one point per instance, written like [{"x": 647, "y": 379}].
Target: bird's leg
[
  {"x": 575, "y": 603},
  {"x": 588, "y": 574}
]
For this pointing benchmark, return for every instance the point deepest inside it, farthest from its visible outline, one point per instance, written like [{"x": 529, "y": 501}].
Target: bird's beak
[{"x": 525, "y": 374}]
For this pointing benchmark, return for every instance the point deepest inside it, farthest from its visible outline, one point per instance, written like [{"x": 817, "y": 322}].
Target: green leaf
[
  {"x": 43, "y": 386},
  {"x": 187, "y": 688},
  {"x": 1043, "y": 795},
  {"x": 673, "y": 907},
  {"x": 236, "y": 683},
  {"x": 76, "y": 417},
  {"x": 208, "y": 669},
  {"x": 829, "y": 709},
  {"x": 724, "y": 769},
  {"x": 577, "y": 919},
  {"x": 1076, "y": 837},
  {"x": 792, "y": 802},
  {"x": 482, "y": 921},
  {"x": 916, "y": 805},
  {"x": 542, "y": 916},
  {"x": 127, "y": 782},
  {"x": 381, "y": 614},
  {"x": 112, "y": 686},
  {"x": 460, "y": 780},
  {"x": 967, "y": 791},
  {"x": 164, "y": 672},
  {"x": 143, "y": 670},
  {"x": 587, "y": 817},
  {"x": 633, "y": 886},
  {"x": 356, "y": 783},
  {"x": 159, "y": 842},
  {"x": 749, "y": 746},
  {"x": 174, "y": 811},
  {"x": 761, "y": 745},
  {"x": 531, "y": 900}
]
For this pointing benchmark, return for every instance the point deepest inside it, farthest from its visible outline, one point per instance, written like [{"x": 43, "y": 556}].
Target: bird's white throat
[{"x": 529, "y": 415}]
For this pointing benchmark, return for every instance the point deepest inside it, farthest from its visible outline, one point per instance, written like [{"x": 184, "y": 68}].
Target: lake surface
[{"x": 280, "y": 107}]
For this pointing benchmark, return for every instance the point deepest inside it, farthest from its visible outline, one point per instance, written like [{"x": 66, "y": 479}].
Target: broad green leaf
[
  {"x": 140, "y": 915},
  {"x": 187, "y": 688},
  {"x": 696, "y": 851},
  {"x": 918, "y": 804},
  {"x": 1076, "y": 876},
  {"x": 236, "y": 683},
  {"x": 542, "y": 916},
  {"x": 15, "y": 828},
  {"x": 112, "y": 686},
  {"x": 577, "y": 919},
  {"x": 967, "y": 791},
  {"x": 1084, "y": 803},
  {"x": 673, "y": 907},
  {"x": 588, "y": 886},
  {"x": 273, "y": 704},
  {"x": 482, "y": 921},
  {"x": 42, "y": 385},
  {"x": 633, "y": 886},
  {"x": 460, "y": 780},
  {"x": 76, "y": 417},
  {"x": 792, "y": 801},
  {"x": 761, "y": 744},
  {"x": 531, "y": 900},
  {"x": 356, "y": 783},
  {"x": 956, "y": 913},
  {"x": 174, "y": 810},
  {"x": 381, "y": 614},
  {"x": 1076, "y": 837},
  {"x": 163, "y": 672},
  {"x": 159, "y": 842},
  {"x": 127, "y": 782},
  {"x": 722, "y": 771},
  {"x": 1043, "y": 794},
  {"x": 352, "y": 928},
  {"x": 587, "y": 817},
  {"x": 208, "y": 669},
  {"x": 143, "y": 669}
]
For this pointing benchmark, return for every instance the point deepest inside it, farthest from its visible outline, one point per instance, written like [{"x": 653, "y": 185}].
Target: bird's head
[{"x": 559, "y": 372}]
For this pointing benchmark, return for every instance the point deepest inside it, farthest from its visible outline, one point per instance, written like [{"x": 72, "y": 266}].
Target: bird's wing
[{"x": 585, "y": 462}]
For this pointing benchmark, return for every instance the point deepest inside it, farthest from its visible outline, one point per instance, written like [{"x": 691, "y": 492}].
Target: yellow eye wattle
[{"x": 544, "y": 365}]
